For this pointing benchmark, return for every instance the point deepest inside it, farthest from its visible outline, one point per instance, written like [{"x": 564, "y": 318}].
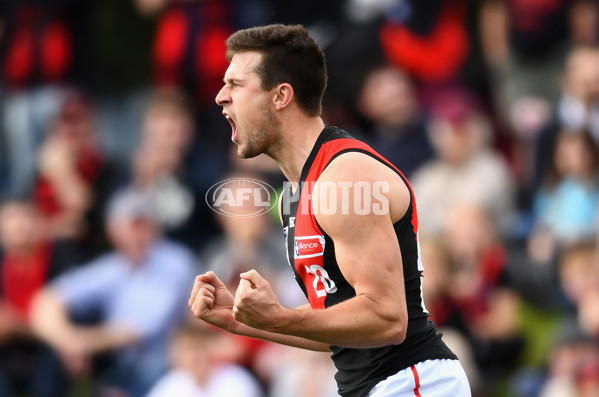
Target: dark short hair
[{"x": 289, "y": 55}]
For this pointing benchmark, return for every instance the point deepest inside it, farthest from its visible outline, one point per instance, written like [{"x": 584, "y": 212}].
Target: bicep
[
  {"x": 362, "y": 230},
  {"x": 369, "y": 258}
]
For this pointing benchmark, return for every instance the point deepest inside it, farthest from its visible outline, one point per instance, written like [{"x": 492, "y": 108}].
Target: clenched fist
[
  {"x": 256, "y": 303},
  {"x": 212, "y": 302}
]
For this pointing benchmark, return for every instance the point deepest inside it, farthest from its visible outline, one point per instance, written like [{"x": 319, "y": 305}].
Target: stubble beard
[{"x": 263, "y": 139}]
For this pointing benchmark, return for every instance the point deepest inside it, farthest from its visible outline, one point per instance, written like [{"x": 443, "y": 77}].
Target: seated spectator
[
  {"x": 74, "y": 179},
  {"x": 576, "y": 109},
  {"x": 484, "y": 304},
  {"x": 139, "y": 292},
  {"x": 579, "y": 282},
  {"x": 578, "y": 272},
  {"x": 28, "y": 261},
  {"x": 158, "y": 164},
  {"x": 566, "y": 207},
  {"x": 436, "y": 282},
  {"x": 161, "y": 167},
  {"x": 436, "y": 279},
  {"x": 524, "y": 44},
  {"x": 388, "y": 100},
  {"x": 466, "y": 170},
  {"x": 573, "y": 350},
  {"x": 199, "y": 369}
]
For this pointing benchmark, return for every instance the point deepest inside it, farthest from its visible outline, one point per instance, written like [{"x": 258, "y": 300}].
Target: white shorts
[{"x": 431, "y": 378}]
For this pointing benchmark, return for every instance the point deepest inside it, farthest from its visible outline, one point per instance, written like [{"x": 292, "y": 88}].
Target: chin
[
  {"x": 245, "y": 155},
  {"x": 247, "y": 152}
]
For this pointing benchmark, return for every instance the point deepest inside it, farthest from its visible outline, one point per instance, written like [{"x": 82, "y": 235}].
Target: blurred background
[{"x": 110, "y": 138}]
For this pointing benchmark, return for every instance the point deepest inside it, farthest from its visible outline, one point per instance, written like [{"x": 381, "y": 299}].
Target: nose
[{"x": 223, "y": 97}]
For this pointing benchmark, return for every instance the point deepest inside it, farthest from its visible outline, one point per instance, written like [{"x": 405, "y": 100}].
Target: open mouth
[{"x": 233, "y": 126}]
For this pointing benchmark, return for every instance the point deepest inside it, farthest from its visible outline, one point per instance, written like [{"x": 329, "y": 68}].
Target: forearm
[
  {"x": 364, "y": 321},
  {"x": 49, "y": 318},
  {"x": 283, "y": 339},
  {"x": 355, "y": 323},
  {"x": 50, "y": 321},
  {"x": 100, "y": 338}
]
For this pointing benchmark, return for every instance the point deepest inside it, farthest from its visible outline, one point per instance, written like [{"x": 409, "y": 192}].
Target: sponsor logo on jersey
[{"x": 309, "y": 246}]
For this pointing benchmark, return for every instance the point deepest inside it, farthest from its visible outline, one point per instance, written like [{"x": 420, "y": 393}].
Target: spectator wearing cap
[
  {"x": 466, "y": 170},
  {"x": 139, "y": 292}
]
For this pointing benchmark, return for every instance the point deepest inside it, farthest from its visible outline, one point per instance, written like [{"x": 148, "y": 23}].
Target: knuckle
[{"x": 238, "y": 303}]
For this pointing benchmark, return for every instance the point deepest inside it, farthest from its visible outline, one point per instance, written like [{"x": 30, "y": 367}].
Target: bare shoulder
[
  {"x": 357, "y": 190},
  {"x": 353, "y": 164}
]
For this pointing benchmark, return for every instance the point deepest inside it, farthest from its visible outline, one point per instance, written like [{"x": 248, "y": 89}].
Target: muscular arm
[
  {"x": 368, "y": 256},
  {"x": 284, "y": 339}
]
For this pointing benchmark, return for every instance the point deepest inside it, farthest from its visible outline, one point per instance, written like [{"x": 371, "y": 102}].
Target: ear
[{"x": 283, "y": 94}]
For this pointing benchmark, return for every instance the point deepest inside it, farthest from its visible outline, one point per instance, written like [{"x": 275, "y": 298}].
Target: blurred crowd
[{"x": 110, "y": 139}]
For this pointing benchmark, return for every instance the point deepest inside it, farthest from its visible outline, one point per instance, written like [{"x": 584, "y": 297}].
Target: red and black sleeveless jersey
[{"x": 311, "y": 254}]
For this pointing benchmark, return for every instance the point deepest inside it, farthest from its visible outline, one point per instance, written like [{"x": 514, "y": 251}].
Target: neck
[{"x": 296, "y": 144}]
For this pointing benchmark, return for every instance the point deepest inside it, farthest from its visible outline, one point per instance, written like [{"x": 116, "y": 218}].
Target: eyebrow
[{"x": 231, "y": 80}]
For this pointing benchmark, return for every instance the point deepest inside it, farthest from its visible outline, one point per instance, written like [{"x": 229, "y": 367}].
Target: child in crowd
[{"x": 200, "y": 368}]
